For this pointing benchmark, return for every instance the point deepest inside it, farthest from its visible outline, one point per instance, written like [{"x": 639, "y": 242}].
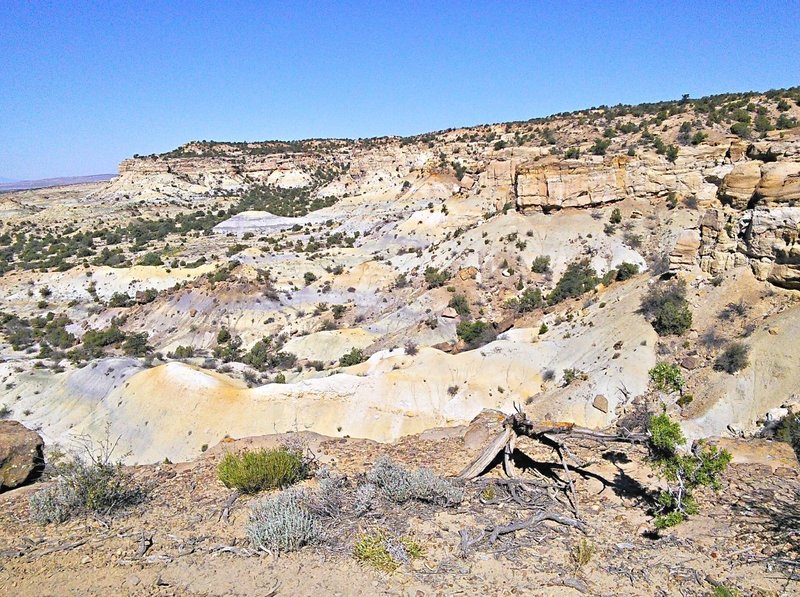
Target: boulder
[
  {"x": 600, "y": 402},
  {"x": 468, "y": 273},
  {"x": 21, "y": 457},
  {"x": 690, "y": 363},
  {"x": 779, "y": 184},
  {"x": 449, "y": 313},
  {"x": 739, "y": 185}
]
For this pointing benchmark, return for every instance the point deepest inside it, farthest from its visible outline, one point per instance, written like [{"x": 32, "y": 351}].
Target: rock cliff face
[
  {"x": 759, "y": 219},
  {"x": 566, "y": 184},
  {"x": 772, "y": 241}
]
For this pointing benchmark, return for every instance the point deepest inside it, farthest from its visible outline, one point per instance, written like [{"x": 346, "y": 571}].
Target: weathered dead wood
[
  {"x": 532, "y": 522},
  {"x": 63, "y": 547},
  {"x": 546, "y": 432},
  {"x": 145, "y": 543},
  {"x": 485, "y": 458},
  {"x": 469, "y": 541},
  {"x": 224, "y": 515}
]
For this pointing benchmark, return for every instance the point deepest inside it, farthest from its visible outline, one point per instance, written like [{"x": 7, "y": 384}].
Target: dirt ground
[{"x": 175, "y": 543}]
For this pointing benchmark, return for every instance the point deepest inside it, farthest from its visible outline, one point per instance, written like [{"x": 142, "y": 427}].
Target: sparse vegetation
[
  {"x": 460, "y": 304},
  {"x": 734, "y": 358},
  {"x": 90, "y": 484},
  {"x": 251, "y": 472},
  {"x": 400, "y": 485},
  {"x": 702, "y": 467},
  {"x": 434, "y": 278},
  {"x": 666, "y": 307},
  {"x": 385, "y": 553},
  {"x": 580, "y": 277}
]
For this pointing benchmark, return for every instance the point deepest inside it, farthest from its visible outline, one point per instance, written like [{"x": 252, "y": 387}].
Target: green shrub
[
  {"x": 571, "y": 375},
  {"x": 733, "y": 359},
  {"x": 763, "y": 124},
  {"x": 354, "y": 357},
  {"x": 120, "y": 299},
  {"x": 578, "y": 278},
  {"x": 460, "y": 303},
  {"x": 785, "y": 122},
  {"x": 434, "y": 278},
  {"x": 582, "y": 553},
  {"x": 788, "y": 430},
  {"x": 475, "y": 333},
  {"x": 627, "y": 270},
  {"x": 672, "y": 153},
  {"x": 151, "y": 259},
  {"x": 666, "y": 307},
  {"x": 135, "y": 345},
  {"x": 530, "y": 300},
  {"x": 667, "y": 377},
  {"x": 741, "y": 129},
  {"x": 541, "y": 264},
  {"x": 702, "y": 467},
  {"x": 600, "y": 146},
  {"x": 183, "y": 352},
  {"x": 251, "y": 472},
  {"x": 616, "y": 216},
  {"x": 309, "y": 277}
]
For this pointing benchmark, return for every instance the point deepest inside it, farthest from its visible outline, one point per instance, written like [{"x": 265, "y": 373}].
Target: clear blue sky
[{"x": 86, "y": 84}]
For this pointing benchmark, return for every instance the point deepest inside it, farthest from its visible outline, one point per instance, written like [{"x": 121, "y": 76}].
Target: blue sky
[{"x": 86, "y": 84}]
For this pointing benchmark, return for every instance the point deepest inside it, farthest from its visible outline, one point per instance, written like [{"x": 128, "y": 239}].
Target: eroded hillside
[{"x": 377, "y": 288}]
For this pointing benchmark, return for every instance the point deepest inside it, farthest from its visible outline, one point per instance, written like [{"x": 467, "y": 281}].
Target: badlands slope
[{"x": 479, "y": 204}]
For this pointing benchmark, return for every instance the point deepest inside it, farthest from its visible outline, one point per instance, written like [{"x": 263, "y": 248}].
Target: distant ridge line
[{"x": 25, "y": 185}]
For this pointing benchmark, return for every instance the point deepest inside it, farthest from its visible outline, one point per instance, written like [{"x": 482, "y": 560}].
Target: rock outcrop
[
  {"x": 772, "y": 241},
  {"x": 20, "y": 454},
  {"x": 739, "y": 184},
  {"x": 684, "y": 254},
  {"x": 755, "y": 183},
  {"x": 761, "y": 221},
  {"x": 556, "y": 186},
  {"x": 719, "y": 243}
]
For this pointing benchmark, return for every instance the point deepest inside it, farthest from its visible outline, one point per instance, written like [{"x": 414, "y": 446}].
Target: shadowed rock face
[{"x": 21, "y": 457}]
